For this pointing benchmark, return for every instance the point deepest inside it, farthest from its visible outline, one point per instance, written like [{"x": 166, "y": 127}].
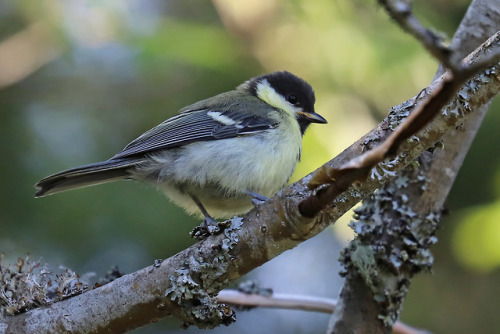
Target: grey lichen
[
  {"x": 392, "y": 245},
  {"x": 385, "y": 169},
  {"x": 26, "y": 285},
  {"x": 195, "y": 286},
  {"x": 461, "y": 105},
  {"x": 399, "y": 113}
]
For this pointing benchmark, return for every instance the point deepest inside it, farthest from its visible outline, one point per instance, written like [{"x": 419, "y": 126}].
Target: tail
[{"x": 84, "y": 176}]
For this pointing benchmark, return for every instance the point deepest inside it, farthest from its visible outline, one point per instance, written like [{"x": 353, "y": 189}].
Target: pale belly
[{"x": 221, "y": 172}]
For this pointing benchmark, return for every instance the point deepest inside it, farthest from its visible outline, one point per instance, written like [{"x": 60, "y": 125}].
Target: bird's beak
[{"x": 311, "y": 117}]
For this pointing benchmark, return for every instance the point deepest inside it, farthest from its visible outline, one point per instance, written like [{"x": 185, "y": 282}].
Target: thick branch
[{"x": 399, "y": 255}]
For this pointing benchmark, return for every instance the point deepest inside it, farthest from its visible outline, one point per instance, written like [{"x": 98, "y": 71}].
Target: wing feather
[{"x": 195, "y": 125}]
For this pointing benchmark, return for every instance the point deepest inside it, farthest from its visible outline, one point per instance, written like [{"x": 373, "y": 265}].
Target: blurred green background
[{"x": 80, "y": 79}]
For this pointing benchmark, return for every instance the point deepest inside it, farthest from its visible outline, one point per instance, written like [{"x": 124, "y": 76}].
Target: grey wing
[{"x": 193, "y": 126}]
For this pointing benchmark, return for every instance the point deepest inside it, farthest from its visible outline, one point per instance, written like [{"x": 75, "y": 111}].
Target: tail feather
[{"x": 84, "y": 176}]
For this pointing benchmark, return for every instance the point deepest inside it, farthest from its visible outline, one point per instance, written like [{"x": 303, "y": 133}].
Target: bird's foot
[
  {"x": 208, "y": 227},
  {"x": 257, "y": 199}
]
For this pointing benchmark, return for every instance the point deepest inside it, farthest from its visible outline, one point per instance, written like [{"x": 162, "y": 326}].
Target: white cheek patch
[
  {"x": 269, "y": 95},
  {"x": 217, "y": 116}
]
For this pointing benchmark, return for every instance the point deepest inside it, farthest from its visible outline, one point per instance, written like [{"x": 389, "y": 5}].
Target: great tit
[{"x": 217, "y": 154}]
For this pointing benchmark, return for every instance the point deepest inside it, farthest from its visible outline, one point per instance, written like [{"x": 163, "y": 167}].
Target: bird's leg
[
  {"x": 257, "y": 199},
  {"x": 209, "y": 225},
  {"x": 208, "y": 219}
]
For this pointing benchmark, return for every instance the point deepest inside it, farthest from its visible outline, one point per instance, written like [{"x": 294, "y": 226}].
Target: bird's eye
[{"x": 292, "y": 98}]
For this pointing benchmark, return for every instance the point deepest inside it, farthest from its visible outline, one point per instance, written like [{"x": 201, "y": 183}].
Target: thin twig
[
  {"x": 278, "y": 300},
  {"x": 492, "y": 45},
  {"x": 296, "y": 302},
  {"x": 338, "y": 180},
  {"x": 400, "y": 11}
]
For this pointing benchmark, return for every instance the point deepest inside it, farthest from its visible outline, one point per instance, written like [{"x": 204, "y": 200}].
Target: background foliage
[{"x": 80, "y": 79}]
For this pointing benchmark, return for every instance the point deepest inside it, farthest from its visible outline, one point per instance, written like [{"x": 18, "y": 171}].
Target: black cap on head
[{"x": 295, "y": 90}]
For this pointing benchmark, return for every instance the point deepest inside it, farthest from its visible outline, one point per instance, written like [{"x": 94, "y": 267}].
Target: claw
[
  {"x": 257, "y": 199},
  {"x": 256, "y": 202},
  {"x": 209, "y": 222}
]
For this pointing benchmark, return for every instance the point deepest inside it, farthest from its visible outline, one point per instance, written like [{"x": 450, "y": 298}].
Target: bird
[{"x": 216, "y": 157}]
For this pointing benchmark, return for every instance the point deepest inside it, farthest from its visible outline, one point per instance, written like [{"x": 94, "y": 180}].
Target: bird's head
[{"x": 287, "y": 92}]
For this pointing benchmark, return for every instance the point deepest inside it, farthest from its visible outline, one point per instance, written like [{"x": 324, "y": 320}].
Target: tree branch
[
  {"x": 384, "y": 257},
  {"x": 401, "y": 12},
  {"x": 295, "y": 302},
  {"x": 338, "y": 180}
]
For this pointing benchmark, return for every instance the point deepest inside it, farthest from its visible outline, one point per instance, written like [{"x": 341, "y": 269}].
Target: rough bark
[{"x": 437, "y": 173}]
